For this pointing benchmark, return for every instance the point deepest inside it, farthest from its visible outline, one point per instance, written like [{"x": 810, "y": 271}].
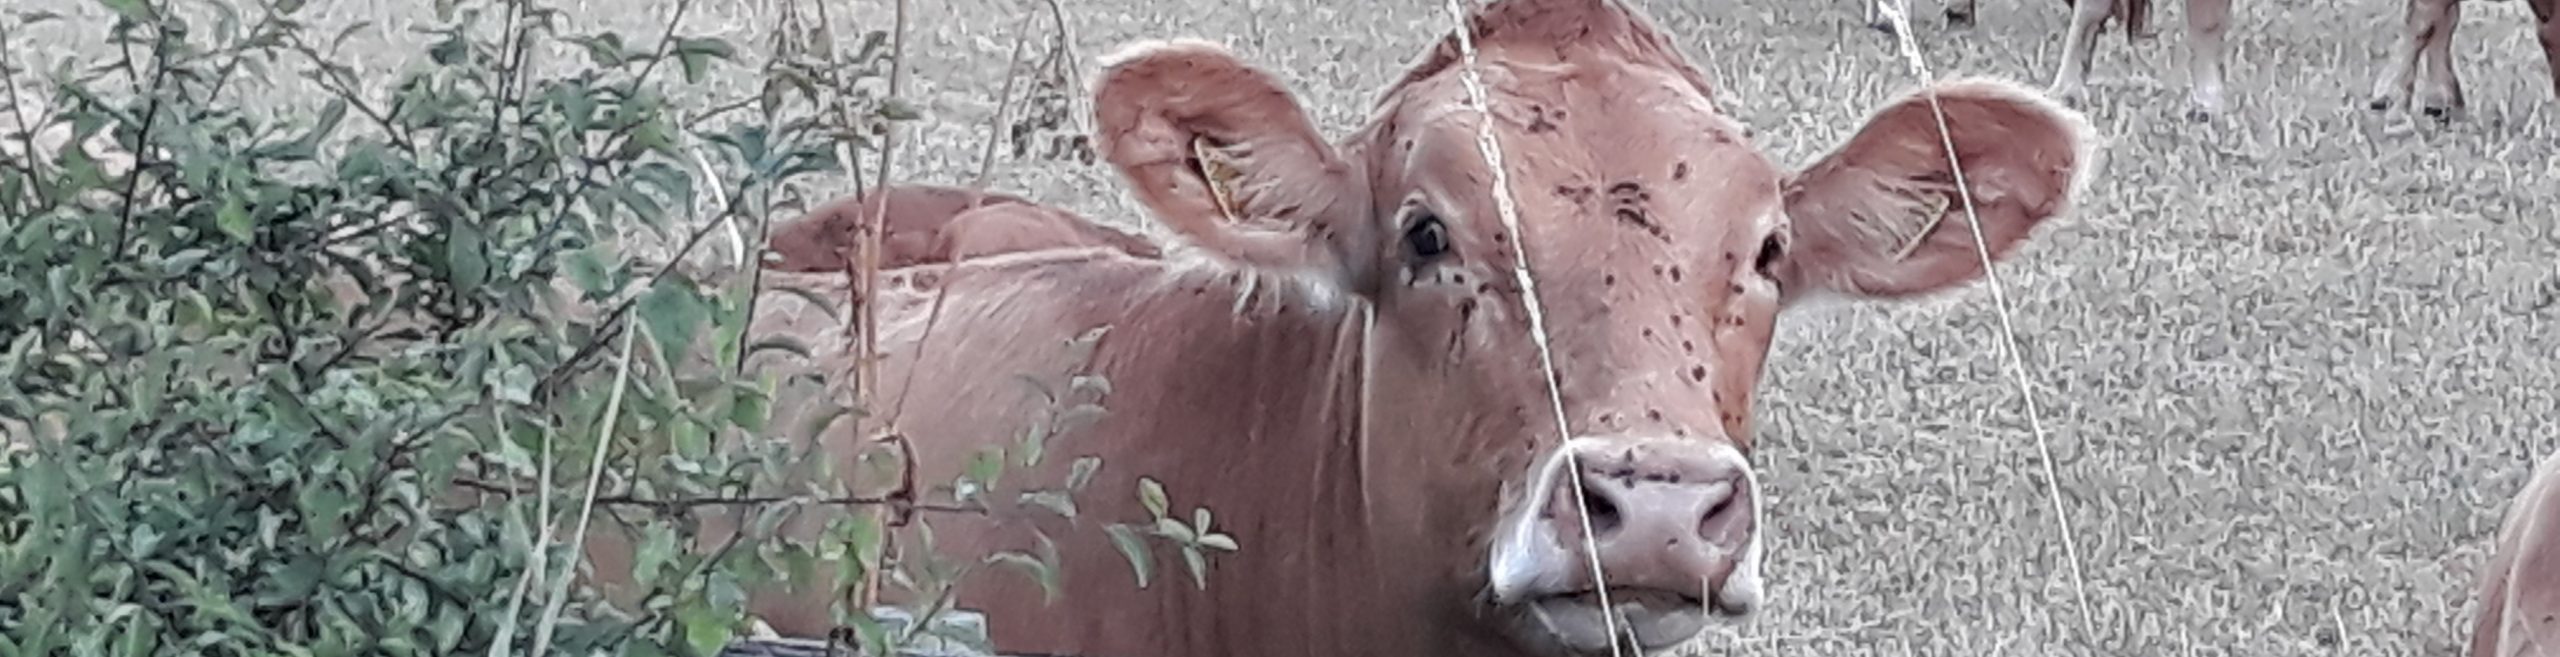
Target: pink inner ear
[
  {"x": 1292, "y": 191},
  {"x": 1882, "y": 217}
]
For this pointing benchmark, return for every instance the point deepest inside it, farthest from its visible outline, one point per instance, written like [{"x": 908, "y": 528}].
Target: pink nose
[{"x": 1665, "y": 517}]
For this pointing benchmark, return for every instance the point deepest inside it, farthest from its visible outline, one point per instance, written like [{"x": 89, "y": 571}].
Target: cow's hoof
[
  {"x": 2381, "y": 103},
  {"x": 2199, "y": 115},
  {"x": 1959, "y": 18},
  {"x": 2440, "y": 113}
]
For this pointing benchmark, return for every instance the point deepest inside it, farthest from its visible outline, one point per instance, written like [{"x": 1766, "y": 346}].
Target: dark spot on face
[
  {"x": 1680, "y": 433},
  {"x": 1484, "y": 288},
  {"x": 1737, "y": 289},
  {"x": 1688, "y": 346},
  {"x": 1675, "y": 320},
  {"x": 1675, "y": 273},
  {"x": 1501, "y": 238},
  {"x": 1538, "y": 120},
  {"x": 1635, "y": 215},
  {"x": 1609, "y": 279},
  {"x": 1680, "y": 171},
  {"x": 1697, "y": 372},
  {"x": 1648, "y": 333},
  {"x": 1466, "y": 309},
  {"x": 1654, "y": 414}
]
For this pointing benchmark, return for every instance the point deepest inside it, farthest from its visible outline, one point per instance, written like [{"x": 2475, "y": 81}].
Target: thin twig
[
  {"x": 26, "y": 127},
  {"x": 868, "y": 358},
  {"x": 595, "y": 478},
  {"x": 1004, "y": 101},
  {"x": 142, "y": 136}
]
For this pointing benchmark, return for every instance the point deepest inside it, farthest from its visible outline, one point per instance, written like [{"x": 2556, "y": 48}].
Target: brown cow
[
  {"x": 2519, "y": 606},
  {"x": 2207, "y": 22},
  {"x": 934, "y": 223},
  {"x": 1348, "y": 377},
  {"x": 2428, "y": 34}
]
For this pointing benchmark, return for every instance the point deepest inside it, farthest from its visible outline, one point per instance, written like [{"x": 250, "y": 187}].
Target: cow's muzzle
[{"x": 1674, "y": 524}]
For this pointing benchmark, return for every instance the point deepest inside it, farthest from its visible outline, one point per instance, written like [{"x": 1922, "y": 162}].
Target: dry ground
[{"x": 2291, "y": 364}]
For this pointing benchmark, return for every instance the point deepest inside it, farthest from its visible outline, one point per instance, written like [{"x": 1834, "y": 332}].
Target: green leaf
[
  {"x": 233, "y": 218},
  {"x": 705, "y": 629},
  {"x": 1151, "y": 494},
  {"x": 134, "y": 10},
  {"x": 1041, "y": 573},
  {"x": 653, "y": 553},
  {"x": 1134, "y": 548},
  {"x": 1081, "y": 472},
  {"x": 1056, "y": 502},
  {"x": 898, "y": 109},
  {"x": 1079, "y": 417},
  {"x": 589, "y": 269},
  {"x": 1174, "y": 529},
  {"x": 1199, "y": 566},
  {"x": 984, "y": 467},
  {"x": 674, "y": 315},
  {"x": 1219, "y": 542},
  {"x": 464, "y": 255}
]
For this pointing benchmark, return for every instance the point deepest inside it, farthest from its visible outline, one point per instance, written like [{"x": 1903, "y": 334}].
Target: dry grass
[{"x": 2293, "y": 362}]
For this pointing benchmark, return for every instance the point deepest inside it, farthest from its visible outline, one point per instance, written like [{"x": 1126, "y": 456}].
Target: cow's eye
[
  {"x": 1426, "y": 238},
  {"x": 1772, "y": 248}
]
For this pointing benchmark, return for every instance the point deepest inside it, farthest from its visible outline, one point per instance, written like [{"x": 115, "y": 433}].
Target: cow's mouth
[{"x": 1656, "y": 619}]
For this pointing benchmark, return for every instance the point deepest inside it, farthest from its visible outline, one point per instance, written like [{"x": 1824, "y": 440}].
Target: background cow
[
  {"x": 2519, "y": 603},
  {"x": 935, "y": 223},
  {"x": 2207, "y": 22},
  {"x": 2428, "y": 34},
  {"x": 1342, "y": 369}
]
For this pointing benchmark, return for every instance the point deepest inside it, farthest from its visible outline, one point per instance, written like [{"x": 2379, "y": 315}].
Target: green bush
[{"x": 335, "y": 381}]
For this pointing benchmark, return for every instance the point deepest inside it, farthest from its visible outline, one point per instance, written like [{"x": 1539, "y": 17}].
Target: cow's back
[{"x": 1249, "y": 409}]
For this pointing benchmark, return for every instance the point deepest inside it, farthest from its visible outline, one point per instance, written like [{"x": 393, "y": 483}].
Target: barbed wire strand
[{"x": 2000, "y": 303}]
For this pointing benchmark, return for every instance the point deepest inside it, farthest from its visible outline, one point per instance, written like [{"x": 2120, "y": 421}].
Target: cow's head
[{"x": 1663, "y": 246}]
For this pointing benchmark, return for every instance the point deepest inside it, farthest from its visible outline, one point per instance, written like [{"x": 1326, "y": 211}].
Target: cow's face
[{"x": 1662, "y": 245}]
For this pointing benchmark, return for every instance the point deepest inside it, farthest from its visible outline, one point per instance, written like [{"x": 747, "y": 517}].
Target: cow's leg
[
  {"x": 1959, "y": 12},
  {"x": 2070, "y": 79},
  {"x": 2546, "y": 14},
  {"x": 2207, "y": 20},
  {"x": 2418, "y": 24},
  {"x": 2442, "y": 97}
]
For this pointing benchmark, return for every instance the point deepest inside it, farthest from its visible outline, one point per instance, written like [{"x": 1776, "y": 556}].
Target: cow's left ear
[
  {"x": 1223, "y": 155},
  {"x": 1880, "y": 217}
]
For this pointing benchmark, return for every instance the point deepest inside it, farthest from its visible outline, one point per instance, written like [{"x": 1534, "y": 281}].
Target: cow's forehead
[{"x": 1583, "y": 141}]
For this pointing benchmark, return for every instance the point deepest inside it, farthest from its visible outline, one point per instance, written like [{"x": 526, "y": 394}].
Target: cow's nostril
[
  {"x": 1728, "y": 520},
  {"x": 1602, "y": 511}
]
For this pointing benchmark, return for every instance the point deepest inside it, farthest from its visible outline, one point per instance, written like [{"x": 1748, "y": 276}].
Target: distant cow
[
  {"x": 2207, "y": 22},
  {"x": 2519, "y": 605},
  {"x": 1348, "y": 377},
  {"x": 934, "y": 223},
  {"x": 2428, "y": 34}
]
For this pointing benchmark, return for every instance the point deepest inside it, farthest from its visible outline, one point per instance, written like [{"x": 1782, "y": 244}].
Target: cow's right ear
[{"x": 1223, "y": 155}]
